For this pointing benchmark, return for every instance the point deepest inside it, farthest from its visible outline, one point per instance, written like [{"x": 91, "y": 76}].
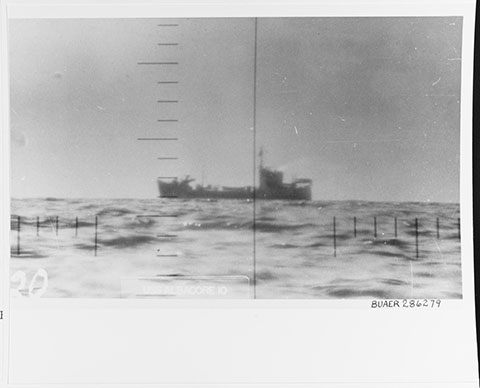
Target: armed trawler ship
[{"x": 271, "y": 187}]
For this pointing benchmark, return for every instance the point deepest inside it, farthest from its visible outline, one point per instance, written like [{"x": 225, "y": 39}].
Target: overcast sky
[{"x": 369, "y": 108}]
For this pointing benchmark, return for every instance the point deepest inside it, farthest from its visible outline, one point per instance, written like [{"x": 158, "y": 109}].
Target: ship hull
[
  {"x": 174, "y": 190},
  {"x": 294, "y": 194}
]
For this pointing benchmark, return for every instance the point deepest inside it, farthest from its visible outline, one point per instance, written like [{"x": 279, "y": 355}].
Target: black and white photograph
[
  {"x": 237, "y": 193},
  {"x": 251, "y": 158}
]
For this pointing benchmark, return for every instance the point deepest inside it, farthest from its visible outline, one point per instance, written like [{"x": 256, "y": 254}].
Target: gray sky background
[{"x": 369, "y": 108}]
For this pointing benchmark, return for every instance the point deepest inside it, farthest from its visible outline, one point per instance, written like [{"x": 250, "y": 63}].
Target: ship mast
[{"x": 260, "y": 155}]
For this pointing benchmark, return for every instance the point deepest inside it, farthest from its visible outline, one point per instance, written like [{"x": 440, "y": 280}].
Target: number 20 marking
[{"x": 21, "y": 278}]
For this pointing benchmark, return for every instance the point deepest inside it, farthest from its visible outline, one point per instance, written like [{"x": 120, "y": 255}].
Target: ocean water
[{"x": 291, "y": 250}]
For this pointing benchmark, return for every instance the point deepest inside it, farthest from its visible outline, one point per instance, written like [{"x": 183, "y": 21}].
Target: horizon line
[{"x": 47, "y": 198}]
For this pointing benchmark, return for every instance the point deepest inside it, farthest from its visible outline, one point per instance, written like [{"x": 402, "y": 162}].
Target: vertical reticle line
[{"x": 254, "y": 158}]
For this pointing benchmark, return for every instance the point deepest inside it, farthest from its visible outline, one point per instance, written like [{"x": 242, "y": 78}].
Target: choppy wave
[{"x": 300, "y": 249}]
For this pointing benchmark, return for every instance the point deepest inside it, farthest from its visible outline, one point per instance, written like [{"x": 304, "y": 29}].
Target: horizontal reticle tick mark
[
  {"x": 158, "y": 138},
  {"x": 157, "y": 63}
]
